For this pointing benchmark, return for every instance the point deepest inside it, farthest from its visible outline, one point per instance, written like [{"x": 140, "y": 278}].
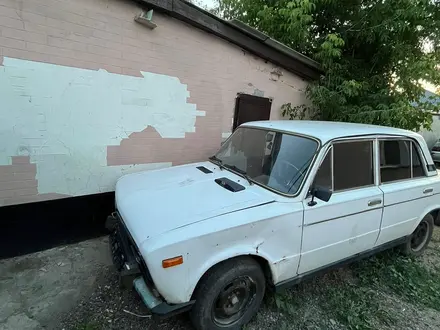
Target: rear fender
[{"x": 428, "y": 210}]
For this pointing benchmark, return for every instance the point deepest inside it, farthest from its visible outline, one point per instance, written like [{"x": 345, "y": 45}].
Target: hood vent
[
  {"x": 204, "y": 169},
  {"x": 229, "y": 184}
]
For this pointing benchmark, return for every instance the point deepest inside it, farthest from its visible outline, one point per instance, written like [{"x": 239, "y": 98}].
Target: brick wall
[{"x": 101, "y": 34}]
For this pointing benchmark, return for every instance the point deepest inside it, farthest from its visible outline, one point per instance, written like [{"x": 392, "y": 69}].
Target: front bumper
[{"x": 134, "y": 271}]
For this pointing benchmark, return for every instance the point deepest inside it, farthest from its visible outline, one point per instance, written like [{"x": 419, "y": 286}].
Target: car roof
[{"x": 327, "y": 130}]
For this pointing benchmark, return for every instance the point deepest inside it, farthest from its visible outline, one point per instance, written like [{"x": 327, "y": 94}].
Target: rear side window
[
  {"x": 348, "y": 165},
  {"x": 417, "y": 164},
  {"x": 399, "y": 160}
]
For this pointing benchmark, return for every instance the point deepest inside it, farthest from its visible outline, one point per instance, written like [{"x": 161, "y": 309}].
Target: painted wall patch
[{"x": 64, "y": 118}]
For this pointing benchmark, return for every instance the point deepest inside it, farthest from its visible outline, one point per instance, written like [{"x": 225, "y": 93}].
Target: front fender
[
  {"x": 274, "y": 235},
  {"x": 232, "y": 252},
  {"x": 177, "y": 284}
]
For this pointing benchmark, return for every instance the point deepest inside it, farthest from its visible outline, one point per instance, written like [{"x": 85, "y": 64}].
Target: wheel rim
[
  {"x": 233, "y": 301},
  {"x": 420, "y": 236}
]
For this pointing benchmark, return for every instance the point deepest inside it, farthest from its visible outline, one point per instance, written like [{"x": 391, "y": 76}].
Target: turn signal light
[{"x": 167, "y": 263}]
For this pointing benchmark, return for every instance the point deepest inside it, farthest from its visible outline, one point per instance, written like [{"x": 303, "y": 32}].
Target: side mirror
[{"x": 321, "y": 193}]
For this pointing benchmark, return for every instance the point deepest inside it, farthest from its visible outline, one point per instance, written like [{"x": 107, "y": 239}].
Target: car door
[
  {"x": 405, "y": 185},
  {"x": 349, "y": 222}
]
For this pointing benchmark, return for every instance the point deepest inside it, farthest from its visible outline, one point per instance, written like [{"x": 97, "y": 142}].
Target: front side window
[
  {"x": 399, "y": 160},
  {"x": 324, "y": 178},
  {"x": 353, "y": 165},
  {"x": 273, "y": 159},
  {"x": 348, "y": 165}
]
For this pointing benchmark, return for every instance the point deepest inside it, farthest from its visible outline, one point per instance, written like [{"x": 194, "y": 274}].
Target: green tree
[{"x": 374, "y": 54}]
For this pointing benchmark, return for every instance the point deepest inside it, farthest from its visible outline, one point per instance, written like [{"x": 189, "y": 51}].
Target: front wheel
[
  {"x": 229, "y": 295},
  {"x": 420, "y": 238}
]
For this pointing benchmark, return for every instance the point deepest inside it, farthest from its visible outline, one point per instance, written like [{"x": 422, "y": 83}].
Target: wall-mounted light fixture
[{"x": 146, "y": 18}]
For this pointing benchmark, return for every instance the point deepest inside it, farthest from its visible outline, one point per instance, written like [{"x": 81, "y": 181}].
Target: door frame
[
  {"x": 329, "y": 147},
  {"x": 322, "y": 153}
]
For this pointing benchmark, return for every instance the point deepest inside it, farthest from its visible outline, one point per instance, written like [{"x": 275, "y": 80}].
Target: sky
[{"x": 208, "y": 3}]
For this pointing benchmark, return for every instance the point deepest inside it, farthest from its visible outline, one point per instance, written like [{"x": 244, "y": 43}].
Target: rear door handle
[
  {"x": 428, "y": 190},
  {"x": 375, "y": 202}
]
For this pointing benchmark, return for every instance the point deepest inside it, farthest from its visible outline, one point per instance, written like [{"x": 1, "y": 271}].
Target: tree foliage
[{"x": 374, "y": 54}]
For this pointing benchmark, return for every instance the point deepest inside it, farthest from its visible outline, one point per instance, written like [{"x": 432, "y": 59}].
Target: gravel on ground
[{"x": 76, "y": 288}]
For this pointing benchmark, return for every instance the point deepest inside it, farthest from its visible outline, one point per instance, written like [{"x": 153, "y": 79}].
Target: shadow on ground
[
  {"x": 75, "y": 288},
  {"x": 37, "y": 288}
]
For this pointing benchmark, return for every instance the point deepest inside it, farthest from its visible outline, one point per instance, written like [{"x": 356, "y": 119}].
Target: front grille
[
  {"x": 131, "y": 251},
  {"x": 436, "y": 148}
]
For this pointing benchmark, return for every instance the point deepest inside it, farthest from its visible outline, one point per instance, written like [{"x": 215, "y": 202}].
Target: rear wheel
[
  {"x": 420, "y": 238},
  {"x": 229, "y": 295},
  {"x": 437, "y": 219}
]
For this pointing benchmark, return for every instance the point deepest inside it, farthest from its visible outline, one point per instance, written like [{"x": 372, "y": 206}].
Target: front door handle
[
  {"x": 428, "y": 190},
  {"x": 375, "y": 202}
]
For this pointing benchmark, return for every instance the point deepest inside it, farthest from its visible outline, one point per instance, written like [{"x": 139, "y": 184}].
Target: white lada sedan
[{"x": 279, "y": 202}]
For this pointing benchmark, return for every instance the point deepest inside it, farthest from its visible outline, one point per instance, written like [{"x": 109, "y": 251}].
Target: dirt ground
[
  {"x": 36, "y": 288},
  {"x": 384, "y": 292}
]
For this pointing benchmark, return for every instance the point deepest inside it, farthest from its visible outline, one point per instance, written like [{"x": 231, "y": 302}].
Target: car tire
[
  {"x": 115, "y": 251},
  {"x": 420, "y": 238},
  {"x": 236, "y": 285},
  {"x": 437, "y": 219}
]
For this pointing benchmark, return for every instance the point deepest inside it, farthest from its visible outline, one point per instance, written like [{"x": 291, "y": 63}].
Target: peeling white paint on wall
[{"x": 64, "y": 118}]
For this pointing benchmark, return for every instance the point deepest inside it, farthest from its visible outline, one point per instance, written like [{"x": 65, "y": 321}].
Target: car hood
[{"x": 154, "y": 202}]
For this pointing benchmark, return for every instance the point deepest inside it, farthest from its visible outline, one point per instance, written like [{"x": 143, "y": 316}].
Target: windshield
[{"x": 273, "y": 159}]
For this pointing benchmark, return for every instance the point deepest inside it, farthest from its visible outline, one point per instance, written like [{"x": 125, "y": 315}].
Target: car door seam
[
  {"x": 411, "y": 200},
  {"x": 342, "y": 216}
]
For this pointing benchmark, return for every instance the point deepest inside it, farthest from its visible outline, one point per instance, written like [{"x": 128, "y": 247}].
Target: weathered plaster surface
[
  {"x": 64, "y": 118},
  {"x": 81, "y": 127},
  {"x": 19, "y": 184},
  {"x": 149, "y": 147}
]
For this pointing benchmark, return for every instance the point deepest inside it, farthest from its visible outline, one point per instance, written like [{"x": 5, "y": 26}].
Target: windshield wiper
[
  {"x": 218, "y": 161},
  {"x": 240, "y": 171}
]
